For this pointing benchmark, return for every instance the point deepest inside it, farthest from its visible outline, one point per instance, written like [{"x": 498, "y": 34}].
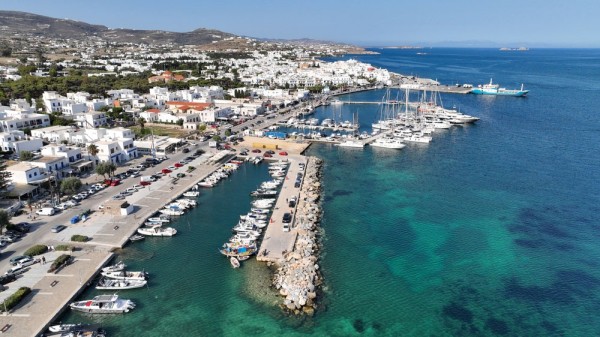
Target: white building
[
  {"x": 25, "y": 173},
  {"x": 90, "y": 119},
  {"x": 16, "y": 141},
  {"x": 21, "y": 116}
]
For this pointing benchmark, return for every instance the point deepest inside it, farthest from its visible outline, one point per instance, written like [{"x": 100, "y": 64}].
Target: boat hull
[{"x": 515, "y": 93}]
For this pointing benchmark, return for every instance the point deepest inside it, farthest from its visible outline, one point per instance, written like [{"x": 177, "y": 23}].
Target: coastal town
[{"x": 89, "y": 173}]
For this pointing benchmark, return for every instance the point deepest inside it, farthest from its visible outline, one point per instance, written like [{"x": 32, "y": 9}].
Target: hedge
[
  {"x": 14, "y": 299},
  {"x": 79, "y": 238},
  {"x": 36, "y": 250},
  {"x": 64, "y": 247},
  {"x": 60, "y": 262}
]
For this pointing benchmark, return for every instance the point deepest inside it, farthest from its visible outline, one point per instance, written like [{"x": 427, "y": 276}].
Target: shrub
[
  {"x": 79, "y": 238},
  {"x": 60, "y": 262},
  {"x": 190, "y": 168},
  {"x": 36, "y": 250},
  {"x": 64, "y": 247},
  {"x": 14, "y": 299}
]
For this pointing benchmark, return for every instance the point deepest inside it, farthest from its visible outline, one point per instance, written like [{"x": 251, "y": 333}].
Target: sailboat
[{"x": 353, "y": 142}]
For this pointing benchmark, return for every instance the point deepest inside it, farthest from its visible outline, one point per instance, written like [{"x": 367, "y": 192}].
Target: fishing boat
[
  {"x": 119, "y": 266},
  {"x": 243, "y": 258},
  {"x": 235, "y": 263},
  {"x": 157, "y": 231},
  {"x": 126, "y": 275},
  {"x": 106, "y": 283},
  {"x": 84, "y": 332},
  {"x": 136, "y": 237},
  {"x": 494, "y": 89},
  {"x": 103, "y": 304},
  {"x": 237, "y": 249}
]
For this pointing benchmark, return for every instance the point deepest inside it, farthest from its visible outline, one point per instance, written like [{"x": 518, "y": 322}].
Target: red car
[
  {"x": 256, "y": 151},
  {"x": 267, "y": 155},
  {"x": 144, "y": 183},
  {"x": 178, "y": 164},
  {"x": 115, "y": 182},
  {"x": 283, "y": 153},
  {"x": 166, "y": 171}
]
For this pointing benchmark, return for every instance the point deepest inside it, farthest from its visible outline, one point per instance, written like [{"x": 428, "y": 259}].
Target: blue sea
[{"x": 492, "y": 229}]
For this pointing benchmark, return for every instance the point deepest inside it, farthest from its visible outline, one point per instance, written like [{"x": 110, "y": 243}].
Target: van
[{"x": 46, "y": 211}]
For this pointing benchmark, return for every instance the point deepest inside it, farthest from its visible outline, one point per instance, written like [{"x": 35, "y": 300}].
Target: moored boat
[
  {"x": 136, "y": 237},
  {"x": 107, "y": 283},
  {"x": 126, "y": 275},
  {"x": 119, "y": 266},
  {"x": 65, "y": 327},
  {"x": 103, "y": 304},
  {"x": 157, "y": 231},
  {"x": 235, "y": 263}
]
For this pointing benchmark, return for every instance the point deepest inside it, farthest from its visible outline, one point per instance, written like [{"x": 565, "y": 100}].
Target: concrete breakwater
[{"x": 297, "y": 278}]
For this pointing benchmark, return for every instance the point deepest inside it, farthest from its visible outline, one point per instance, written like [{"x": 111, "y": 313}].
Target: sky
[{"x": 508, "y": 23}]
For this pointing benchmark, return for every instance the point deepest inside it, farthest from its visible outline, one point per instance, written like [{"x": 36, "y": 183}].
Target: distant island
[
  {"x": 514, "y": 49},
  {"x": 403, "y": 47}
]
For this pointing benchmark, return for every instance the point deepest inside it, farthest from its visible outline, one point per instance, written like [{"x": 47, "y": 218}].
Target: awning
[
  {"x": 82, "y": 164},
  {"x": 20, "y": 190}
]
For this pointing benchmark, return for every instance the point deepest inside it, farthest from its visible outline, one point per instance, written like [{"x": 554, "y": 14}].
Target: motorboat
[
  {"x": 259, "y": 211},
  {"x": 388, "y": 143},
  {"x": 159, "y": 219},
  {"x": 136, "y": 237},
  {"x": 106, "y": 283},
  {"x": 59, "y": 328},
  {"x": 84, "y": 332},
  {"x": 168, "y": 211},
  {"x": 351, "y": 143},
  {"x": 103, "y": 304},
  {"x": 125, "y": 275},
  {"x": 235, "y": 263},
  {"x": 115, "y": 267},
  {"x": 263, "y": 193},
  {"x": 191, "y": 194},
  {"x": 157, "y": 231}
]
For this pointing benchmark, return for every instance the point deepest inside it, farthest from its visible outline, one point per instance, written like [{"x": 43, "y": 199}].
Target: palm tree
[{"x": 92, "y": 150}]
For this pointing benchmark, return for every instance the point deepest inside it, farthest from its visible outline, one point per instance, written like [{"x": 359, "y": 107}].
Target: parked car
[
  {"x": 15, "y": 260},
  {"x": 4, "y": 279},
  {"x": 145, "y": 183},
  {"x": 287, "y": 218},
  {"x": 286, "y": 227},
  {"x": 57, "y": 228},
  {"x": 178, "y": 165},
  {"x": 185, "y": 150},
  {"x": 17, "y": 270},
  {"x": 292, "y": 202},
  {"x": 267, "y": 155},
  {"x": 283, "y": 153},
  {"x": 115, "y": 182},
  {"x": 256, "y": 151},
  {"x": 166, "y": 171}
]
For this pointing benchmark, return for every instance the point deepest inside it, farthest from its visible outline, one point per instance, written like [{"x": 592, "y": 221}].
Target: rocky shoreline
[{"x": 298, "y": 278}]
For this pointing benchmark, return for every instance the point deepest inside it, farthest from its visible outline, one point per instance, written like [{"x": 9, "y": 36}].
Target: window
[
  {"x": 35, "y": 174},
  {"x": 112, "y": 151},
  {"x": 29, "y": 175}
]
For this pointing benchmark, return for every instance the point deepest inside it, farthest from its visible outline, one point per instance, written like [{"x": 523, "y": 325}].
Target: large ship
[{"x": 494, "y": 89}]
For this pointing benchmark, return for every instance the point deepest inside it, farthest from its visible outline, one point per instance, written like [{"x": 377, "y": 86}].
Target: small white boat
[
  {"x": 136, "y": 237},
  {"x": 119, "y": 266},
  {"x": 191, "y": 194},
  {"x": 106, "y": 283},
  {"x": 159, "y": 219},
  {"x": 103, "y": 304},
  {"x": 65, "y": 327},
  {"x": 168, "y": 211},
  {"x": 125, "y": 275},
  {"x": 259, "y": 211},
  {"x": 157, "y": 231},
  {"x": 351, "y": 143},
  {"x": 235, "y": 263},
  {"x": 388, "y": 143}
]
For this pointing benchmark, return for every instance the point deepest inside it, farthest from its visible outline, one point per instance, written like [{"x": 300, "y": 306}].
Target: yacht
[
  {"x": 103, "y": 304},
  {"x": 351, "y": 143},
  {"x": 388, "y": 143}
]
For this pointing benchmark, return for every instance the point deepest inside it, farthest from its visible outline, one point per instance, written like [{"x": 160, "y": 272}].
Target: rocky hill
[{"x": 26, "y": 24}]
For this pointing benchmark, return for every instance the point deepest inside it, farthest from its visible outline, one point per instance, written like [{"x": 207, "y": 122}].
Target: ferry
[{"x": 494, "y": 89}]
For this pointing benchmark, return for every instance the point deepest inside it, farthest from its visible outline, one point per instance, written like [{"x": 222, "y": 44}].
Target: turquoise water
[{"x": 490, "y": 230}]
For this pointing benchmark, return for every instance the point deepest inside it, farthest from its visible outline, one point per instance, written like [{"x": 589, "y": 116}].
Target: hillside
[{"x": 23, "y": 24}]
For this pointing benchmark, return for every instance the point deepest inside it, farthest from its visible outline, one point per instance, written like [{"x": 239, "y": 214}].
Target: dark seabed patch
[
  {"x": 458, "y": 312},
  {"x": 339, "y": 193},
  {"x": 359, "y": 325},
  {"x": 496, "y": 326}
]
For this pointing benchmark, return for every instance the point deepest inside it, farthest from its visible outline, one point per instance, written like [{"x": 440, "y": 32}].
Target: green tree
[
  {"x": 106, "y": 168},
  {"x": 180, "y": 122},
  {"x": 216, "y": 138},
  {"x": 202, "y": 128},
  {"x": 227, "y": 133},
  {"x": 142, "y": 123},
  {"x": 25, "y": 155},
  {"x": 4, "y": 219},
  {"x": 70, "y": 185}
]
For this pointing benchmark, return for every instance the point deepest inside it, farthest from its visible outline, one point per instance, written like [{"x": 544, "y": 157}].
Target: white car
[
  {"x": 71, "y": 203},
  {"x": 172, "y": 168},
  {"x": 131, "y": 190},
  {"x": 62, "y": 206},
  {"x": 137, "y": 187}
]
